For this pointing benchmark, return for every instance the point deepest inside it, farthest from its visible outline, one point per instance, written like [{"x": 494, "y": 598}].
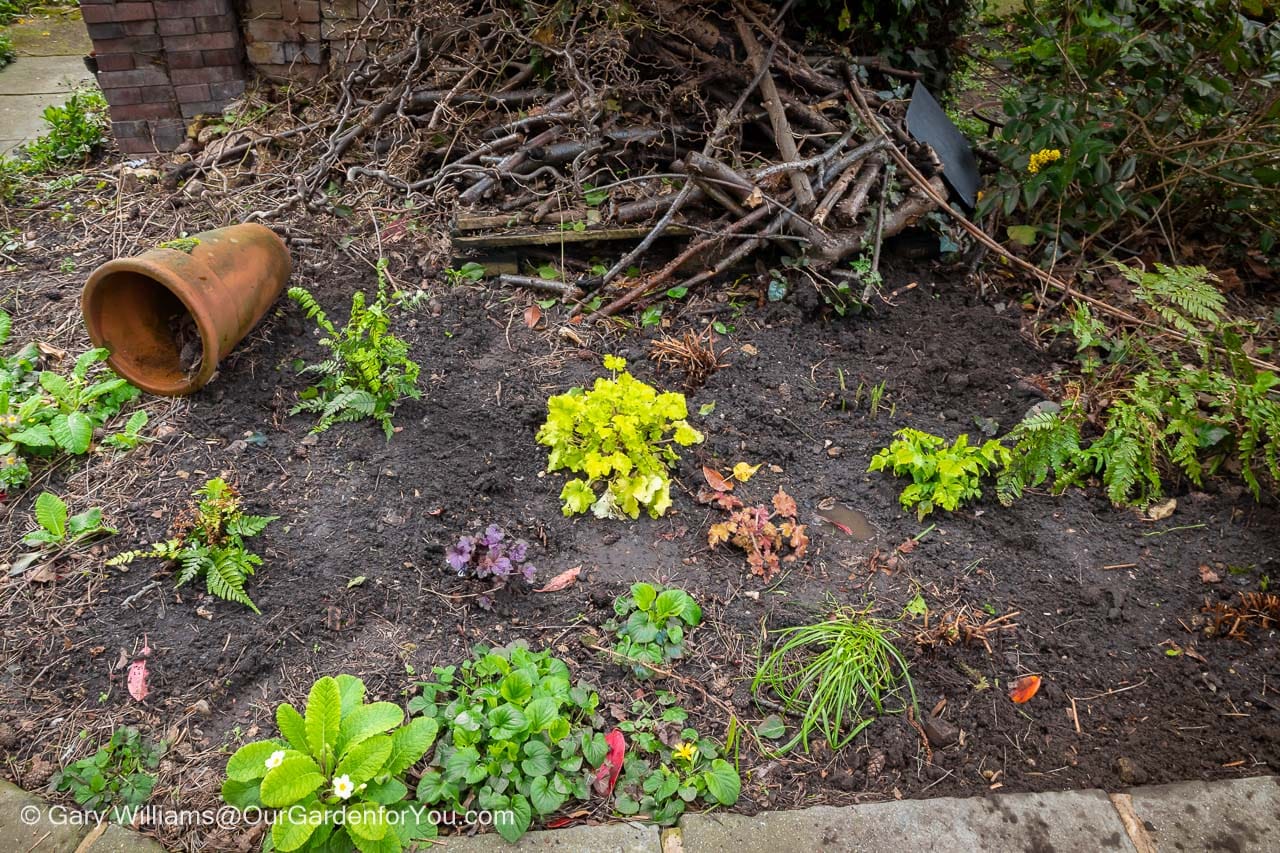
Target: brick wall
[{"x": 163, "y": 62}]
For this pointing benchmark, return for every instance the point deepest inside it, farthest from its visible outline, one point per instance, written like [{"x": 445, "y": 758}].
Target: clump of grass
[{"x": 837, "y": 676}]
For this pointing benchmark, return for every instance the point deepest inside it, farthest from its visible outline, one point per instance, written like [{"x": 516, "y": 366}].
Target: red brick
[
  {"x": 192, "y": 92},
  {"x": 139, "y": 28},
  {"x": 177, "y": 26},
  {"x": 300, "y": 10},
  {"x": 207, "y": 41},
  {"x": 105, "y": 31},
  {"x": 98, "y": 14},
  {"x": 115, "y": 62},
  {"x": 196, "y": 108},
  {"x": 169, "y": 133},
  {"x": 264, "y": 30},
  {"x": 262, "y": 9},
  {"x": 190, "y": 8},
  {"x": 132, "y": 112},
  {"x": 229, "y": 56},
  {"x": 134, "y": 11},
  {"x": 216, "y": 24},
  {"x": 125, "y": 96},
  {"x": 185, "y": 59},
  {"x": 149, "y": 76},
  {"x": 188, "y": 76},
  {"x": 131, "y": 44},
  {"x": 157, "y": 94}
]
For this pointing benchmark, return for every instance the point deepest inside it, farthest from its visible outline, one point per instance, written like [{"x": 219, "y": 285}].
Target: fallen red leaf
[
  {"x": 1208, "y": 575},
  {"x": 907, "y": 546},
  {"x": 715, "y": 480},
  {"x": 607, "y": 775},
  {"x": 561, "y": 581},
  {"x": 1024, "y": 688},
  {"x": 532, "y": 315},
  {"x": 137, "y": 679}
]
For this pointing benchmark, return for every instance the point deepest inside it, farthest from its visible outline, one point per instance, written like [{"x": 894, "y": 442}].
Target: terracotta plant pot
[{"x": 169, "y": 315}]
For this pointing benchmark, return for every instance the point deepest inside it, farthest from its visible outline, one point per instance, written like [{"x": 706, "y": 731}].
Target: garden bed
[{"x": 355, "y": 579}]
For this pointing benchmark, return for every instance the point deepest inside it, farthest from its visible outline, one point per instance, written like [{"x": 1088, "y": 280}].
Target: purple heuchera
[{"x": 490, "y": 555}]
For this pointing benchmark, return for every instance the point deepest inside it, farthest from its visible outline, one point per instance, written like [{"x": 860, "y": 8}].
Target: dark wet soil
[{"x": 1107, "y": 601}]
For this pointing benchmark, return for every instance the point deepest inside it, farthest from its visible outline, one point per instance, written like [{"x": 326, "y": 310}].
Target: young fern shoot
[
  {"x": 369, "y": 370},
  {"x": 211, "y": 544}
]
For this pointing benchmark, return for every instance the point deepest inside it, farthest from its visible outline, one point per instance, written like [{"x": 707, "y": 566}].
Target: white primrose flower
[
  {"x": 343, "y": 788},
  {"x": 276, "y": 759}
]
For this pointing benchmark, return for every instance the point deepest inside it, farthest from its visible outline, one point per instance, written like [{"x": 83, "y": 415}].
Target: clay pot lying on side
[{"x": 169, "y": 315}]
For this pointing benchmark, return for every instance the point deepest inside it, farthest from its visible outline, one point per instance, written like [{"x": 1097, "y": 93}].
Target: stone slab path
[
  {"x": 49, "y": 65},
  {"x": 1241, "y": 816}
]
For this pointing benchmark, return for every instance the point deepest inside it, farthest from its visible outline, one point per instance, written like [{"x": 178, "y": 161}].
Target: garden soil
[{"x": 1108, "y": 601}]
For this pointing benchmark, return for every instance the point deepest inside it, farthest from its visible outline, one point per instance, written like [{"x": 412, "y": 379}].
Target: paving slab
[
  {"x": 1064, "y": 822},
  {"x": 28, "y": 823},
  {"x": 27, "y": 87},
  {"x": 59, "y": 34},
  {"x": 1241, "y": 815},
  {"x": 607, "y": 838}
]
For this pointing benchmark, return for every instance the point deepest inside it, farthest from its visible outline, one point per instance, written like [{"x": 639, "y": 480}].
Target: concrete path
[
  {"x": 28, "y": 823},
  {"x": 49, "y": 65}
]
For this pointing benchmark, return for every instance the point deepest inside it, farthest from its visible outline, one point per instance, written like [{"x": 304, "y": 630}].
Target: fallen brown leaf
[{"x": 564, "y": 580}]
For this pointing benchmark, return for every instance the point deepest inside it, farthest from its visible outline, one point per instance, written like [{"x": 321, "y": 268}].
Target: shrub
[
  {"x": 7, "y": 54},
  {"x": 369, "y": 370},
  {"x": 1151, "y": 109},
  {"x": 116, "y": 776},
  {"x": 619, "y": 433},
  {"x": 942, "y": 477},
  {"x": 516, "y": 736},
  {"x": 77, "y": 128},
  {"x": 336, "y": 774},
  {"x": 653, "y": 626},
  {"x": 211, "y": 544}
]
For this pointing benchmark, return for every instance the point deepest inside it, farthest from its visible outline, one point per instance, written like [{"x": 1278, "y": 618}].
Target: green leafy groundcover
[{"x": 516, "y": 737}]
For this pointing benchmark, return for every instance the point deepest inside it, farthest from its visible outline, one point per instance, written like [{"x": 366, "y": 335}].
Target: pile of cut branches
[{"x": 702, "y": 125}]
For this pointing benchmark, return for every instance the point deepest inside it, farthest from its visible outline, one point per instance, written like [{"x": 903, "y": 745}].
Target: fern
[
  {"x": 369, "y": 371},
  {"x": 1044, "y": 442},
  {"x": 1182, "y": 296},
  {"x": 213, "y": 546}
]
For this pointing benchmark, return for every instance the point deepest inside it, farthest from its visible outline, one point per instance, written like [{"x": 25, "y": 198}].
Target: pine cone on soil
[
  {"x": 8, "y": 737},
  {"x": 40, "y": 772}
]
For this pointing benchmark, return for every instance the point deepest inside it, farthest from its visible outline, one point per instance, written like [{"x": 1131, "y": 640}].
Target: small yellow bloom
[
  {"x": 687, "y": 751},
  {"x": 614, "y": 362},
  {"x": 1042, "y": 158}
]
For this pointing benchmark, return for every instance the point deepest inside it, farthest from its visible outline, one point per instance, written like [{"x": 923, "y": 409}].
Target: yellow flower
[
  {"x": 614, "y": 362},
  {"x": 1042, "y": 158},
  {"x": 687, "y": 751}
]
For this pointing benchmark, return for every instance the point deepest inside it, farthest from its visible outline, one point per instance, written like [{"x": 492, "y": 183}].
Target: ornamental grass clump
[
  {"x": 837, "y": 676},
  {"x": 620, "y": 434}
]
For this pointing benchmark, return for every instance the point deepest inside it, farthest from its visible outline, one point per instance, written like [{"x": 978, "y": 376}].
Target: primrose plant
[{"x": 336, "y": 774}]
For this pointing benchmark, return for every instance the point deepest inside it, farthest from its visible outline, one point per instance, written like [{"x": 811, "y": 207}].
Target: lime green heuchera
[
  {"x": 336, "y": 774},
  {"x": 620, "y": 433}
]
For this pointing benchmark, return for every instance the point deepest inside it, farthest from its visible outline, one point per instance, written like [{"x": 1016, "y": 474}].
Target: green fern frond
[
  {"x": 1182, "y": 296},
  {"x": 1042, "y": 443}
]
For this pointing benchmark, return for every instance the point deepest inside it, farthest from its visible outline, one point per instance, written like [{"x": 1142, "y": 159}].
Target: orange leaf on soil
[
  {"x": 715, "y": 480},
  {"x": 137, "y": 679},
  {"x": 532, "y": 315},
  {"x": 564, "y": 580},
  {"x": 1024, "y": 688},
  {"x": 784, "y": 504}
]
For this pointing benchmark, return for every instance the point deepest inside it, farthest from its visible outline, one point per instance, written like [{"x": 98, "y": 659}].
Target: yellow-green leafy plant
[
  {"x": 943, "y": 477},
  {"x": 621, "y": 435},
  {"x": 210, "y": 544},
  {"x": 336, "y": 774}
]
